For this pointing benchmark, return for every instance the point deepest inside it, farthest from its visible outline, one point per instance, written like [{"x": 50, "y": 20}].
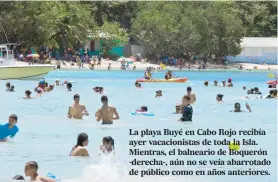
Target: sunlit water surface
[{"x": 47, "y": 136}]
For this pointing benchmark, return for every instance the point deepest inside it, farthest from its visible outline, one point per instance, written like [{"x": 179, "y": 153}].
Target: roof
[{"x": 259, "y": 42}]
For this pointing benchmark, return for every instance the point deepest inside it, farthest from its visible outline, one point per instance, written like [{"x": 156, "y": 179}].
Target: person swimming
[
  {"x": 108, "y": 144},
  {"x": 9, "y": 129},
  {"x": 223, "y": 83},
  {"x": 230, "y": 84},
  {"x": 39, "y": 91},
  {"x": 142, "y": 109},
  {"x": 219, "y": 98},
  {"x": 158, "y": 93},
  {"x": 79, "y": 149},
  {"x": 206, "y": 83},
  {"x": 187, "y": 111},
  {"x": 50, "y": 88},
  {"x": 57, "y": 82},
  {"x": 178, "y": 109},
  {"x": 215, "y": 83},
  {"x": 138, "y": 85},
  {"x": 8, "y": 87},
  {"x": 42, "y": 83},
  {"x": 69, "y": 86},
  {"x": 28, "y": 95},
  {"x": 106, "y": 113},
  {"x": 98, "y": 89},
  {"x": 31, "y": 170},
  {"x": 244, "y": 87},
  {"x": 238, "y": 108},
  {"x": 77, "y": 110}
]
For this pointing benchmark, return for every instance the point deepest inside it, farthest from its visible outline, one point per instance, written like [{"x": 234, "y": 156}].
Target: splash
[{"x": 110, "y": 171}]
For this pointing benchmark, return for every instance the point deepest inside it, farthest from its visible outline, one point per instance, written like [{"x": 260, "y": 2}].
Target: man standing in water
[
  {"x": 191, "y": 95},
  {"x": 77, "y": 110},
  {"x": 106, "y": 113}
]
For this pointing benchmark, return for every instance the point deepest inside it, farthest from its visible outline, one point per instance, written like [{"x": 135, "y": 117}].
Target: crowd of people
[{"x": 107, "y": 114}]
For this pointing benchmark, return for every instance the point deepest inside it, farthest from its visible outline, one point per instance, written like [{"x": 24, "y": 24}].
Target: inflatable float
[
  {"x": 272, "y": 82},
  {"x": 173, "y": 80},
  {"x": 142, "y": 113}
]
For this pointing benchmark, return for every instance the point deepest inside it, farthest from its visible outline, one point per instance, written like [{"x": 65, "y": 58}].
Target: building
[{"x": 257, "y": 50}]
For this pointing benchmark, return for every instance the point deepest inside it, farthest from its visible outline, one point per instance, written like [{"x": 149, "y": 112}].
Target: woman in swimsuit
[{"x": 79, "y": 149}]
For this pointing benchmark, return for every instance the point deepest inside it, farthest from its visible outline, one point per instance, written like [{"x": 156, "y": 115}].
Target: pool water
[{"x": 46, "y": 134}]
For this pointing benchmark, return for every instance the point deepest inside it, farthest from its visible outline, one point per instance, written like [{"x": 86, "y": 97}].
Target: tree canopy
[{"x": 172, "y": 28}]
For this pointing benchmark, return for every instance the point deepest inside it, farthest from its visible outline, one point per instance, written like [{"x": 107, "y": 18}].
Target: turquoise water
[{"x": 47, "y": 136}]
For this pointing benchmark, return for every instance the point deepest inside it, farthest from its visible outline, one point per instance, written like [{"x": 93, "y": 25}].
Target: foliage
[
  {"x": 200, "y": 27},
  {"x": 172, "y": 28},
  {"x": 111, "y": 35}
]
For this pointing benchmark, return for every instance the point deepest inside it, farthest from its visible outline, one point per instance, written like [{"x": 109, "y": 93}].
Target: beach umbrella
[{"x": 33, "y": 56}]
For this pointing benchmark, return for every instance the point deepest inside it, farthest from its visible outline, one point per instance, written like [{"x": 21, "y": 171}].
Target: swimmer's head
[
  {"x": 244, "y": 87},
  {"x": 28, "y": 92},
  {"x": 206, "y": 83},
  {"x": 270, "y": 86},
  {"x": 136, "y": 83},
  {"x": 219, "y": 97},
  {"x": 12, "y": 88},
  {"x": 12, "y": 119},
  {"x": 57, "y": 82},
  {"x": 108, "y": 143},
  {"x": 215, "y": 82},
  {"x": 229, "y": 80},
  {"x": 76, "y": 97},
  {"x": 31, "y": 168},
  {"x": 237, "y": 106},
  {"x": 46, "y": 84},
  {"x": 65, "y": 82},
  {"x": 100, "y": 89},
  {"x": 189, "y": 89},
  {"x": 82, "y": 140},
  {"x": 223, "y": 82},
  {"x": 19, "y": 177},
  {"x": 275, "y": 93},
  {"x": 104, "y": 99},
  {"x": 8, "y": 84},
  {"x": 69, "y": 86},
  {"x": 256, "y": 89},
  {"x": 51, "y": 87},
  {"x": 144, "y": 109}
]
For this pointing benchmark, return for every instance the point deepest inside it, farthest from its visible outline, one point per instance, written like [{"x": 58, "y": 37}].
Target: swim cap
[{"x": 229, "y": 80}]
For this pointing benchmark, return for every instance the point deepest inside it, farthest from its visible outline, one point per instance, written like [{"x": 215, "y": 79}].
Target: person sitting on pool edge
[
  {"x": 219, "y": 98},
  {"x": 107, "y": 144},
  {"x": 79, "y": 149},
  {"x": 9, "y": 129},
  {"x": 28, "y": 95},
  {"x": 158, "y": 93},
  {"x": 142, "y": 109},
  {"x": 77, "y": 110},
  {"x": 106, "y": 113},
  {"x": 138, "y": 85},
  {"x": 187, "y": 111},
  {"x": 31, "y": 170},
  {"x": 238, "y": 109},
  {"x": 69, "y": 86}
]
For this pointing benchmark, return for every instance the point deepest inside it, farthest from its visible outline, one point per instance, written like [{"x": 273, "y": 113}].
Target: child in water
[
  {"x": 28, "y": 95},
  {"x": 31, "y": 170},
  {"x": 9, "y": 129},
  {"x": 138, "y": 85},
  {"x": 107, "y": 144}
]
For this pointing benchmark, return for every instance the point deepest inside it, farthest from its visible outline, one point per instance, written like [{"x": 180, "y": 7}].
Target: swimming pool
[{"x": 47, "y": 136}]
